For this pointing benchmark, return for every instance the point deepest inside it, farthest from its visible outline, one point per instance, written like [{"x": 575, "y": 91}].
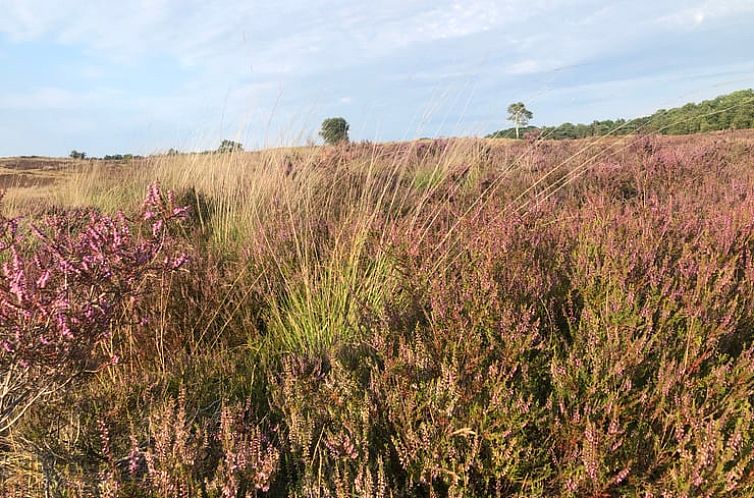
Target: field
[{"x": 458, "y": 317}]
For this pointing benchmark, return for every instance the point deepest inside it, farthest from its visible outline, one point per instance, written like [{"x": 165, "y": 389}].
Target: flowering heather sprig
[
  {"x": 183, "y": 459},
  {"x": 109, "y": 484},
  {"x": 63, "y": 283},
  {"x": 249, "y": 461}
]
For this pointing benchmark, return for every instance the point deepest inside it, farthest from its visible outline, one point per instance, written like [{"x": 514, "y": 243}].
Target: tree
[
  {"x": 230, "y": 146},
  {"x": 77, "y": 155},
  {"x": 519, "y": 114},
  {"x": 334, "y": 130}
]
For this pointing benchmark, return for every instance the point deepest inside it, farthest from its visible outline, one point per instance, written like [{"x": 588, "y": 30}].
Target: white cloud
[{"x": 707, "y": 10}]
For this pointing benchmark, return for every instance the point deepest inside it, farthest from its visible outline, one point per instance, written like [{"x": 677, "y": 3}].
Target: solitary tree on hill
[
  {"x": 334, "y": 130},
  {"x": 519, "y": 114},
  {"x": 77, "y": 155}
]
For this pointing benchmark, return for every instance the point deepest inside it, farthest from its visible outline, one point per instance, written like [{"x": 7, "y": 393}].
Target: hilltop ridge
[{"x": 731, "y": 111}]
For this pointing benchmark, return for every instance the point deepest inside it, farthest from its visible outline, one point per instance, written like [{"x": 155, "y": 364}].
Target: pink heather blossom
[
  {"x": 61, "y": 288},
  {"x": 157, "y": 228}
]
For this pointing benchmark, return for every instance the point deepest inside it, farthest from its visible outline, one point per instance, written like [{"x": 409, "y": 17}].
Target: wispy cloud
[
  {"x": 708, "y": 10},
  {"x": 51, "y": 98},
  {"x": 532, "y": 66}
]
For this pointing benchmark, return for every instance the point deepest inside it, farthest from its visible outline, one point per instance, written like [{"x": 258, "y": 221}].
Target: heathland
[{"x": 458, "y": 317}]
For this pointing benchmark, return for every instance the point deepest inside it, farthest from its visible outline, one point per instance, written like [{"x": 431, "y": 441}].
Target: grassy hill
[{"x": 732, "y": 111}]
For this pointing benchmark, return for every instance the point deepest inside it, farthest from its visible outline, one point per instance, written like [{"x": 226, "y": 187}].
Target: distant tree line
[
  {"x": 732, "y": 111},
  {"x": 118, "y": 157},
  {"x": 225, "y": 146},
  {"x": 333, "y": 131}
]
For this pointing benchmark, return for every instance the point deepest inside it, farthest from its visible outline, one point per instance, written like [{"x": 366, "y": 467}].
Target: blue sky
[{"x": 142, "y": 76}]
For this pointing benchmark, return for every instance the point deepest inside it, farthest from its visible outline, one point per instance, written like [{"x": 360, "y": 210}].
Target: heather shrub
[
  {"x": 226, "y": 458},
  {"x": 177, "y": 454},
  {"x": 330, "y": 426},
  {"x": 634, "y": 378},
  {"x": 66, "y": 280}
]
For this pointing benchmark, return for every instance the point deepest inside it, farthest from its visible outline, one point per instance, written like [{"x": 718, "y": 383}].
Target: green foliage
[
  {"x": 77, "y": 155},
  {"x": 732, "y": 111},
  {"x": 334, "y": 130},
  {"x": 511, "y": 132},
  {"x": 735, "y": 110},
  {"x": 227, "y": 146},
  {"x": 119, "y": 157}
]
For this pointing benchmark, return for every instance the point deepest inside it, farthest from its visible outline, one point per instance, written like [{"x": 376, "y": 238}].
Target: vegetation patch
[{"x": 459, "y": 317}]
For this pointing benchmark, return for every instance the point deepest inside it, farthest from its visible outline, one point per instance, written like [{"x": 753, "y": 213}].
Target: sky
[{"x": 107, "y": 77}]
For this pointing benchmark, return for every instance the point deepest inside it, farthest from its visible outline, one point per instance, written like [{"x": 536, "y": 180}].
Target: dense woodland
[{"x": 732, "y": 111}]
